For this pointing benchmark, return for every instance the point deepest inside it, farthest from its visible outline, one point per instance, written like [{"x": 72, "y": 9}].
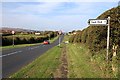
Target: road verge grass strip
[
  {"x": 79, "y": 65},
  {"x": 42, "y": 67}
]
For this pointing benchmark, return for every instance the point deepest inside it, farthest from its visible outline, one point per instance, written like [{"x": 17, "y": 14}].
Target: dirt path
[{"x": 62, "y": 70}]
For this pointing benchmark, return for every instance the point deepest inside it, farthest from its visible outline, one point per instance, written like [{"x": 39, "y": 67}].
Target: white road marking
[
  {"x": 17, "y": 52},
  {"x": 10, "y": 53},
  {"x": 33, "y": 48}
]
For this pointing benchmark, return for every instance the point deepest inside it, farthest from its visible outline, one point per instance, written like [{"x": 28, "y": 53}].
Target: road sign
[
  {"x": 13, "y": 32},
  {"x": 97, "y": 22},
  {"x": 60, "y": 32}
]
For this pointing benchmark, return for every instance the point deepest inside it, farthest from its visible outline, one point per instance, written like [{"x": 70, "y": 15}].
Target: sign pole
[
  {"x": 13, "y": 39},
  {"x": 108, "y": 36},
  {"x": 13, "y": 32}
]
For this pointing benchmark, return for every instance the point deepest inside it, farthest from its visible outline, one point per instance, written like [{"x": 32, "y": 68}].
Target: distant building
[
  {"x": 74, "y": 33},
  {"x": 37, "y": 33}
]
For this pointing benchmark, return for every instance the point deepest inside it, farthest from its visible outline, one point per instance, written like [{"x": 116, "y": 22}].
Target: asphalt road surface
[{"x": 15, "y": 59}]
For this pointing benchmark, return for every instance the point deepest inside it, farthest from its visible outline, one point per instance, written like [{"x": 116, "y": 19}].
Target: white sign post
[
  {"x": 105, "y": 22},
  {"x": 108, "y": 36},
  {"x": 13, "y": 32}
]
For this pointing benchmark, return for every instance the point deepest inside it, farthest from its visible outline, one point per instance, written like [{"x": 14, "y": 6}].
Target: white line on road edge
[{"x": 10, "y": 54}]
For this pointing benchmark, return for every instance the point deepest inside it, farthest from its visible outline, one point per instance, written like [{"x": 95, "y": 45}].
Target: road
[{"x": 14, "y": 59}]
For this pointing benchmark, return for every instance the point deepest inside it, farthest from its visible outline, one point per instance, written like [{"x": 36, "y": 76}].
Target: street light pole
[{"x": 108, "y": 36}]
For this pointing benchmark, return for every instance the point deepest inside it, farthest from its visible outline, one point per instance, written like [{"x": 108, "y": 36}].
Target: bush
[
  {"x": 96, "y": 36},
  {"x": 6, "y": 41}
]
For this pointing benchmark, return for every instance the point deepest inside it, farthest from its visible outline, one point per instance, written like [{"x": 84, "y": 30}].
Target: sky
[{"x": 65, "y": 16}]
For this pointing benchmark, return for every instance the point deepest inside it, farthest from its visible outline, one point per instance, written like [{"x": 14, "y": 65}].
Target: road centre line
[
  {"x": 30, "y": 48},
  {"x": 10, "y": 54}
]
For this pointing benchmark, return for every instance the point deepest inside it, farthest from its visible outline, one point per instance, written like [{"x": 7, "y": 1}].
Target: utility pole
[{"x": 108, "y": 36}]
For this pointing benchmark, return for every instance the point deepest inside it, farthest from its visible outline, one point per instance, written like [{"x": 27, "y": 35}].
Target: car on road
[{"x": 46, "y": 42}]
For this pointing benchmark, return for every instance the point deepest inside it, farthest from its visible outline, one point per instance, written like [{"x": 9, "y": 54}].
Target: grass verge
[
  {"x": 82, "y": 65},
  {"x": 79, "y": 64},
  {"x": 42, "y": 67}
]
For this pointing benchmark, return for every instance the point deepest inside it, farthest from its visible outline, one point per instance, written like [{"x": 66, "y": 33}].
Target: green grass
[
  {"x": 79, "y": 65},
  {"x": 42, "y": 67},
  {"x": 24, "y": 45},
  {"x": 105, "y": 67},
  {"x": 79, "y": 61}
]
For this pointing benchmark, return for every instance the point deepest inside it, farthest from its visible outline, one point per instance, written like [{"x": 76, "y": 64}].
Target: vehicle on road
[{"x": 46, "y": 42}]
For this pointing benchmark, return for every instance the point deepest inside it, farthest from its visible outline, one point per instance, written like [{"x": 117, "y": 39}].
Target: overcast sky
[{"x": 66, "y": 16}]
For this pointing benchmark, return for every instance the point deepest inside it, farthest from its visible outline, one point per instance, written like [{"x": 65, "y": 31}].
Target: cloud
[
  {"x": 55, "y": 8},
  {"x": 52, "y": 15},
  {"x": 41, "y": 8},
  {"x": 85, "y": 8},
  {"x": 61, "y": 22}
]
